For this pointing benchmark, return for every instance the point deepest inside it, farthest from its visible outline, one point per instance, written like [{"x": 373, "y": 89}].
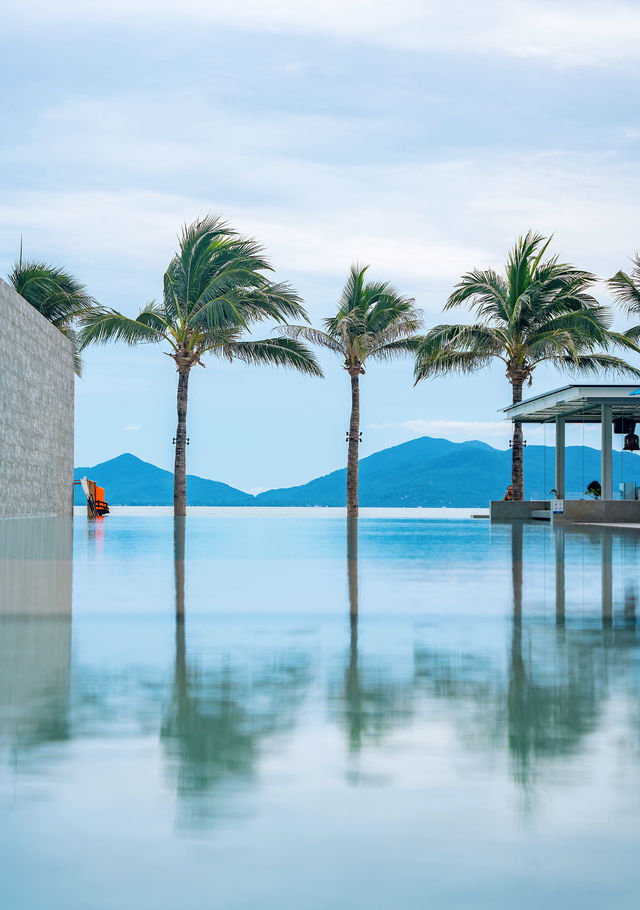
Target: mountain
[
  {"x": 422, "y": 472},
  {"x": 436, "y": 472},
  {"x": 129, "y": 481}
]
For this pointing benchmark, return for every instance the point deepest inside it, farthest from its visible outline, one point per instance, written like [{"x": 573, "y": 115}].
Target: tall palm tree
[
  {"x": 539, "y": 310},
  {"x": 214, "y": 290},
  {"x": 373, "y": 322},
  {"x": 56, "y": 294}
]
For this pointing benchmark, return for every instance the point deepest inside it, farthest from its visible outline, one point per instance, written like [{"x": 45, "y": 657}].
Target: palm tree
[
  {"x": 56, "y": 294},
  {"x": 539, "y": 310},
  {"x": 214, "y": 289},
  {"x": 373, "y": 322}
]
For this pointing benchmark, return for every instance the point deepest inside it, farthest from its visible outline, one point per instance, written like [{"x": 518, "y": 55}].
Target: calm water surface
[{"x": 268, "y": 711}]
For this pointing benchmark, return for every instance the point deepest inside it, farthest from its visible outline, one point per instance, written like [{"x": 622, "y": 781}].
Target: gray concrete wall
[
  {"x": 598, "y": 511},
  {"x": 515, "y": 510},
  {"x": 36, "y": 412}
]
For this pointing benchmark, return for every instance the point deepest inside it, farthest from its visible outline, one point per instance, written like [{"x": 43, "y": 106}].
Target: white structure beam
[
  {"x": 560, "y": 446},
  {"x": 606, "y": 451}
]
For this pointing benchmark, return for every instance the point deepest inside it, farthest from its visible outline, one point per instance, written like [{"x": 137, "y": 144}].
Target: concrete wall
[
  {"x": 598, "y": 511},
  {"x": 36, "y": 412},
  {"x": 515, "y": 510},
  {"x": 584, "y": 511}
]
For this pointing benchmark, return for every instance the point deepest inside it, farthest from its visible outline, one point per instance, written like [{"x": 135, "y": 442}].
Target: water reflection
[
  {"x": 372, "y": 700},
  {"x": 35, "y": 566},
  {"x": 223, "y": 713},
  {"x": 559, "y": 677},
  {"x": 532, "y": 685},
  {"x": 35, "y": 634},
  {"x": 35, "y": 668},
  {"x": 179, "y": 544}
]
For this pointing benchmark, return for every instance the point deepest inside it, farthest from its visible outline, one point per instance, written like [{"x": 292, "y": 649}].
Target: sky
[{"x": 418, "y": 137}]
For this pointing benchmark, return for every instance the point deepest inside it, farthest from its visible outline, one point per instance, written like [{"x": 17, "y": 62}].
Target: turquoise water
[{"x": 262, "y": 712}]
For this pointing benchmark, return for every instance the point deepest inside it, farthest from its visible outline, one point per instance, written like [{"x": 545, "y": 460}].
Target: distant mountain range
[{"x": 422, "y": 472}]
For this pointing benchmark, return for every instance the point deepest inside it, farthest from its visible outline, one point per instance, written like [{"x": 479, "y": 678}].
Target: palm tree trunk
[
  {"x": 180, "y": 466},
  {"x": 517, "y": 467},
  {"x": 352, "y": 455}
]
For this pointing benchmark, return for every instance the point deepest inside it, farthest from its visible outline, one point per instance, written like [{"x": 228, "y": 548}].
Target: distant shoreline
[{"x": 415, "y": 512}]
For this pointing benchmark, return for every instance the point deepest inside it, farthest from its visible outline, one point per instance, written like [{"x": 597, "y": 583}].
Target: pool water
[{"x": 281, "y": 711}]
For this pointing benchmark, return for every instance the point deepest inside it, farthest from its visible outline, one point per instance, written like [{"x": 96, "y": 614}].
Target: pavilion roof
[{"x": 578, "y": 404}]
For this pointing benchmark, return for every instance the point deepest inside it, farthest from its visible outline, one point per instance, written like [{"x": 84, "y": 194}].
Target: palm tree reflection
[
  {"x": 179, "y": 540},
  {"x": 559, "y": 676},
  {"x": 223, "y": 711},
  {"x": 558, "y": 683},
  {"x": 370, "y": 701}
]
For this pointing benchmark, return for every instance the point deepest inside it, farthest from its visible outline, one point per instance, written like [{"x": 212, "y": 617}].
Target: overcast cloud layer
[{"x": 420, "y": 137}]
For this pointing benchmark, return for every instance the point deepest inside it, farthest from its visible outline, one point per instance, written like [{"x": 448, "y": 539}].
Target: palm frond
[
  {"x": 632, "y": 334},
  {"x": 57, "y": 295},
  {"x": 351, "y": 296},
  {"x": 450, "y": 362},
  {"x": 314, "y": 336},
  {"x": 104, "y": 325},
  {"x": 457, "y": 348},
  {"x": 394, "y": 348},
  {"x": 485, "y": 290},
  {"x": 54, "y": 292},
  {"x": 626, "y": 288},
  {"x": 283, "y": 352},
  {"x": 72, "y": 335},
  {"x": 597, "y": 364}
]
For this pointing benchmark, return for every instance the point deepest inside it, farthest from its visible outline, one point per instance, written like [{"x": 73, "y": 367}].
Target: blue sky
[{"x": 419, "y": 137}]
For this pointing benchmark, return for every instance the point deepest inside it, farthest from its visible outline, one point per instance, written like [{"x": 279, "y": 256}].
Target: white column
[
  {"x": 606, "y": 454},
  {"x": 560, "y": 457}
]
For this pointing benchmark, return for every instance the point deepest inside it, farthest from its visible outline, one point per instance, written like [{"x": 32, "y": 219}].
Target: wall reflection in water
[
  {"x": 532, "y": 684},
  {"x": 35, "y": 633},
  {"x": 35, "y": 566}
]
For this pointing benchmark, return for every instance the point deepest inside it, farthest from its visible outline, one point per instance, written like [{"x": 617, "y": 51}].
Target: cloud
[
  {"x": 133, "y": 426},
  {"x": 420, "y": 225},
  {"x": 567, "y": 32}
]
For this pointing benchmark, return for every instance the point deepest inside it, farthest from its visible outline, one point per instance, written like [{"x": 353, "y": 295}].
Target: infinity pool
[{"x": 277, "y": 711}]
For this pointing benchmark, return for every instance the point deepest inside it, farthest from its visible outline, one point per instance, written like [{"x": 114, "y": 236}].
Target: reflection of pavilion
[
  {"x": 600, "y": 538},
  {"x": 559, "y": 675}
]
